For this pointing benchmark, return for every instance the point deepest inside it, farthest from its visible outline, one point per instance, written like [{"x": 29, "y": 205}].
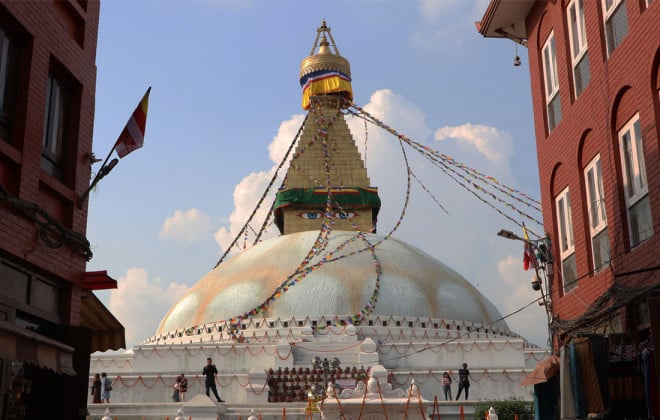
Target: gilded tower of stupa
[{"x": 326, "y": 171}]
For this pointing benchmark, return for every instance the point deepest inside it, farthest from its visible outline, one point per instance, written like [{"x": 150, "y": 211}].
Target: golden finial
[{"x": 324, "y": 71}]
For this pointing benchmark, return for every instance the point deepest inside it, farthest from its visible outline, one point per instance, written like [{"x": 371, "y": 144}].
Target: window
[
  {"x": 52, "y": 155},
  {"x": 45, "y": 297},
  {"x": 616, "y": 23},
  {"x": 27, "y": 292},
  {"x": 600, "y": 245},
  {"x": 552, "y": 98},
  {"x": 635, "y": 186},
  {"x": 566, "y": 243},
  {"x": 8, "y": 64},
  {"x": 642, "y": 315},
  {"x": 579, "y": 53},
  {"x": 14, "y": 283}
]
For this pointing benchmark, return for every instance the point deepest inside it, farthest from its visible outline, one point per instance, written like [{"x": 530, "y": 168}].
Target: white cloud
[
  {"x": 188, "y": 226},
  {"x": 495, "y": 144},
  {"x": 250, "y": 189},
  {"x": 445, "y": 24},
  {"x": 531, "y": 323},
  {"x": 392, "y": 108},
  {"x": 285, "y": 135},
  {"x": 140, "y": 303},
  {"x": 246, "y": 196}
]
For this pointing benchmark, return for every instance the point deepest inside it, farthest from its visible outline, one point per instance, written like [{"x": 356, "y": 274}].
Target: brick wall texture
[
  {"x": 621, "y": 86},
  {"x": 56, "y": 37}
]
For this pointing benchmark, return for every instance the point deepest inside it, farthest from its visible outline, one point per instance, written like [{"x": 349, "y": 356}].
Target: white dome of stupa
[{"x": 258, "y": 283}]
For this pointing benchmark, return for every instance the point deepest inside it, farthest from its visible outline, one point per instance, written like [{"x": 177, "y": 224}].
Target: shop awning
[
  {"x": 107, "y": 332},
  {"x": 99, "y": 280},
  {"x": 545, "y": 370},
  {"x": 29, "y": 347}
]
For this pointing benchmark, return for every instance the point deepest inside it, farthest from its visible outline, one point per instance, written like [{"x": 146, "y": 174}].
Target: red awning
[{"x": 99, "y": 280}]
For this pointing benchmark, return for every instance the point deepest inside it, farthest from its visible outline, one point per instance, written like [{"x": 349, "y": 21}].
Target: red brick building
[
  {"x": 595, "y": 81},
  {"x": 50, "y": 321}
]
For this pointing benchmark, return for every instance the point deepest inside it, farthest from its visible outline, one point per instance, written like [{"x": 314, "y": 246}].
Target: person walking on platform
[{"x": 210, "y": 371}]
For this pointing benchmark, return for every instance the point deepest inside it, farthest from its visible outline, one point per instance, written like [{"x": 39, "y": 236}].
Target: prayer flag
[
  {"x": 132, "y": 136},
  {"x": 528, "y": 253}
]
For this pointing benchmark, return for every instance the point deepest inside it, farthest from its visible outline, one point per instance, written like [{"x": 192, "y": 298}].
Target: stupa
[{"x": 328, "y": 287}]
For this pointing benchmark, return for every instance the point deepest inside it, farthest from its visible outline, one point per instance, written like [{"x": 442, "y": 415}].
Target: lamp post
[
  {"x": 542, "y": 266},
  {"x": 325, "y": 364}
]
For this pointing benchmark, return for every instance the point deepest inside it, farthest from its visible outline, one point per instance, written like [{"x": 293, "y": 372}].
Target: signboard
[{"x": 345, "y": 383}]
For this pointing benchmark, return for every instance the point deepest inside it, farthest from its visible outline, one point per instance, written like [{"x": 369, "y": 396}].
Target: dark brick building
[
  {"x": 595, "y": 82},
  {"x": 50, "y": 321}
]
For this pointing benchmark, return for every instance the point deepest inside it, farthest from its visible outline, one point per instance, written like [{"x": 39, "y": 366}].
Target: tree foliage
[{"x": 506, "y": 409}]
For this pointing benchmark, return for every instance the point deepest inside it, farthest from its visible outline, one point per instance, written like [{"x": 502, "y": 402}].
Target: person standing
[
  {"x": 107, "y": 387},
  {"x": 446, "y": 386},
  {"x": 177, "y": 389},
  {"x": 96, "y": 389},
  {"x": 183, "y": 387},
  {"x": 463, "y": 381},
  {"x": 210, "y": 371}
]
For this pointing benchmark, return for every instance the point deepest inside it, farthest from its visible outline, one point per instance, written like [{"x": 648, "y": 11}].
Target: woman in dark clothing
[
  {"x": 463, "y": 381},
  {"x": 96, "y": 389}
]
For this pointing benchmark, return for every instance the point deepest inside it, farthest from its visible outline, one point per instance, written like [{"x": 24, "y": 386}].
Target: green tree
[{"x": 506, "y": 409}]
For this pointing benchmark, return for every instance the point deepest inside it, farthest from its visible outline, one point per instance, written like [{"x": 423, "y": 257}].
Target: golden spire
[
  {"x": 324, "y": 71},
  {"x": 326, "y": 166}
]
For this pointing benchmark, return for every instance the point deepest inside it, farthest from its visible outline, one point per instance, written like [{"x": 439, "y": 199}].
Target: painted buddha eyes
[
  {"x": 345, "y": 215},
  {"x": 311, "y": 215},
  {"x": 317, "y": 215}
]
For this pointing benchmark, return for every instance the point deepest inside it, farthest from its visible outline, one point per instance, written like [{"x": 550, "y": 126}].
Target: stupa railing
[{"x": 261, "y": 329}]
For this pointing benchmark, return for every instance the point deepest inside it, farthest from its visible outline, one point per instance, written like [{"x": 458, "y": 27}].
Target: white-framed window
[
  {"x": 566, "y": 241},
  {"x": 635, "y": 185},
  {"x": 578, "y": 42},
  {"x": 8, "y": 64},
  {"x": 600, "y": 244},
  {"x": 550, "y": 75},
  {"x": 4, "y": 66},
  {"x": 54, "y": 127},
  {"x": 615, "y": 17}
]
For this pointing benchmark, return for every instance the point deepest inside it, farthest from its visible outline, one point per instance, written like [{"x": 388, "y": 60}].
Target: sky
[{"x": 226, "y": 103}]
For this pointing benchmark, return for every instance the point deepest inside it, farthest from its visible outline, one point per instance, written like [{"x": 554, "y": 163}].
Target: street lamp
[
  {"x": 540, "y": 247},
  {"x": 509, "y": 235},
  {"x": 325, "y": 364}
]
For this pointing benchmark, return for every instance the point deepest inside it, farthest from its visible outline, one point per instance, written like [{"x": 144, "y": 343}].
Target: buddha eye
[
  {"x": 311, "y": 215},
  {"x": 345, "y": 215}
]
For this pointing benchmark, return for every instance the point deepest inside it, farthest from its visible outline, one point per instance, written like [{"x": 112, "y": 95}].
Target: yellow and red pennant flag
[
  {"x": 132, "y": 136},
  {"x": 529, "y": 256}
]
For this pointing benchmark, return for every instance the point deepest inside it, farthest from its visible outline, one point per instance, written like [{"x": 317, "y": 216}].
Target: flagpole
[
  {"x": 103, "y": 171},
  {"x": 131, "y": 138}
]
